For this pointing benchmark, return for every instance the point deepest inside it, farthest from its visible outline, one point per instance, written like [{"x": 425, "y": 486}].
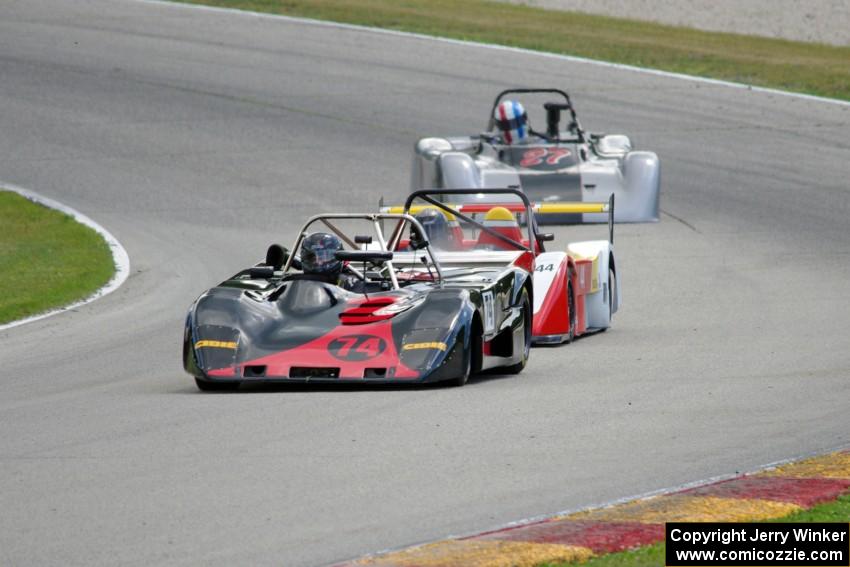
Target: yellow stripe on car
[
  {"x": 216, "y": 344},
  {"x": 561, "y": 208},
  {"x": 542, "y": 208},
  {"x": 416, "y": 209},
  {"x": 418, "y": 346}
]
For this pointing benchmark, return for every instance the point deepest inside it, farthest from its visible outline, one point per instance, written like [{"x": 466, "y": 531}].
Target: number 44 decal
[{"x": 545, "y": 268}]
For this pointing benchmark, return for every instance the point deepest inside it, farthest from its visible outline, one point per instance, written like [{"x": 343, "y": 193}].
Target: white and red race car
[{"x": 575, "y": 289}]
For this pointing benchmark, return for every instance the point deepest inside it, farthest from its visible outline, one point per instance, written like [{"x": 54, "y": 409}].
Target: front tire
[
  {"x": 526, "y": 332},
  {"x": 467, "y": 367},
  {"x": 472, "y": 358},
  {"x": 209, "y": 386}
]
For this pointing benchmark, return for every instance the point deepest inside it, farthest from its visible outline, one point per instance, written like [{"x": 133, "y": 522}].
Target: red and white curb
[{"x": 770, "y": 493}]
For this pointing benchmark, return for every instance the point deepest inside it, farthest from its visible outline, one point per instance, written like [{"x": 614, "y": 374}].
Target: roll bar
[
  {"x": 376, "y": 220},
  {"x": 566, "y": 207},
  {"x": 426, "y": 195}
]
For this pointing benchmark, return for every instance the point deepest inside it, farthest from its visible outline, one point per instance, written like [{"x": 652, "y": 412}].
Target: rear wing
[
  {"x": 581, "y": 207},
  {"x": 546, "y": 208}
]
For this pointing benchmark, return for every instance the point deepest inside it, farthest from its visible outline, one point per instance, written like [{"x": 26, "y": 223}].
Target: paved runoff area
[
  {"x": 822, "y": 21},
  {"x": 765, "y": 495}
]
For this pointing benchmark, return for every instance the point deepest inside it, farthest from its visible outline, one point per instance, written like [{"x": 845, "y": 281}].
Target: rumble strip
[{"x": 771, "y": 493}]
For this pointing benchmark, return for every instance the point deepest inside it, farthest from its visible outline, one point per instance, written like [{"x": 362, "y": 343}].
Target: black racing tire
[
  {"x": 472, "y": 358},
  {"x": 526, "y": 330},
  {"x": 571, "y": 306},
  {"x": 467, "y": 366},
  {"x": 475, "y": 342},
  {"x": 209, "y": 386}
]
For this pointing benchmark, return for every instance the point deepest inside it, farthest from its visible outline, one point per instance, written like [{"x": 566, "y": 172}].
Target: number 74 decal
[{"x": 357, "y": 347}]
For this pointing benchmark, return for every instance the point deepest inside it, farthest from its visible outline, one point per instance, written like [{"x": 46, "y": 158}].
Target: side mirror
[
  {"x": 418, "y": 243},
  {"x": 276, "y": 256},
  {"x": 545, "y": 237},
  {"x": 614, "y": 144}
]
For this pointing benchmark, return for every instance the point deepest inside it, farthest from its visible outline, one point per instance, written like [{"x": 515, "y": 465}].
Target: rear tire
[
  {"x": 209, "y": 386},
  {"x": 612, "y": 283},
  {"x": 571, "y": 307},
  {"x": 526, "y": 331}
]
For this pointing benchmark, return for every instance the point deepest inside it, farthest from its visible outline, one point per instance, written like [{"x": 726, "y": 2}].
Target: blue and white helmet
[
  {"x": 512, "y": 122},
  {"x": 318, "y": 254}
]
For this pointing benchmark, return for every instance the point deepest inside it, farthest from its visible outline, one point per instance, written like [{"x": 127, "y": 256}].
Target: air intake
[
  {"x": 363, "y": 311},
  {"x": 313, "y": 372}
]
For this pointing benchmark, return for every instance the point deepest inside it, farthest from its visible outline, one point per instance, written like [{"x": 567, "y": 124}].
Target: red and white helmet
[{"x": 512, "y": 122}]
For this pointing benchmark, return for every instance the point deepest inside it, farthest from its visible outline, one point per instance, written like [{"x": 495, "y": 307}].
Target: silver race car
[{"x": 557, "y": 165}]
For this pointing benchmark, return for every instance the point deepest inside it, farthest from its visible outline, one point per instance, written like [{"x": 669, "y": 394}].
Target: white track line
[
  {"x": 571, "y": 58},
  {"x": 119, "y": 255}
]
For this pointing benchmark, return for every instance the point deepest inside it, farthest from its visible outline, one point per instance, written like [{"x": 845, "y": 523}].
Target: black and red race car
[{"x": 397, "y": 316}]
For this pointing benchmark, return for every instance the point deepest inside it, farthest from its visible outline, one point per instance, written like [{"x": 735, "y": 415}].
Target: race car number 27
[{"x": 552, "y": 156}]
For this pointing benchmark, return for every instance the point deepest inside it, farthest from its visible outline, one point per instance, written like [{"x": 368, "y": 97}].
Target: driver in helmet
[
  {"x": 437, "y": 229},
  {"x": 512, "y": 122},
  {"x": 319, "y": 262},
  {"x": 318, "y": 257}
]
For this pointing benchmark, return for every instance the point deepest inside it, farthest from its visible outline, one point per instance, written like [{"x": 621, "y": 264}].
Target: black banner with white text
[{"x": 762, "y": 544}]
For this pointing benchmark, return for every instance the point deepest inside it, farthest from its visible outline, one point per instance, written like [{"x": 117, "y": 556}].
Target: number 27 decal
[{"x": 552, "y": 156}]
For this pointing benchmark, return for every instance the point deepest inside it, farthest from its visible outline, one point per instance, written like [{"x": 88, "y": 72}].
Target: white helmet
[{"x": 512, "y": 121}]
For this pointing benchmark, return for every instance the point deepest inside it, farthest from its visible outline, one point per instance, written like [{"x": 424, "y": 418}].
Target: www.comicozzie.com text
[{"x": 757, "y": 534}]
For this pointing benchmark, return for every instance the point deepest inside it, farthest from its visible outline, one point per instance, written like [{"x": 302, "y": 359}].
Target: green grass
[
  {"x": 647, "y": 556},
  {"x": 47, "y": 259},
  {"x": 653, "y": 555},
  {"x": 803, "y": 67}
]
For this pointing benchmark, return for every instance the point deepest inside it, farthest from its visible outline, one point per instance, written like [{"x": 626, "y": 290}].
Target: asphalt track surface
[{"x": 198, "y": 138}]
